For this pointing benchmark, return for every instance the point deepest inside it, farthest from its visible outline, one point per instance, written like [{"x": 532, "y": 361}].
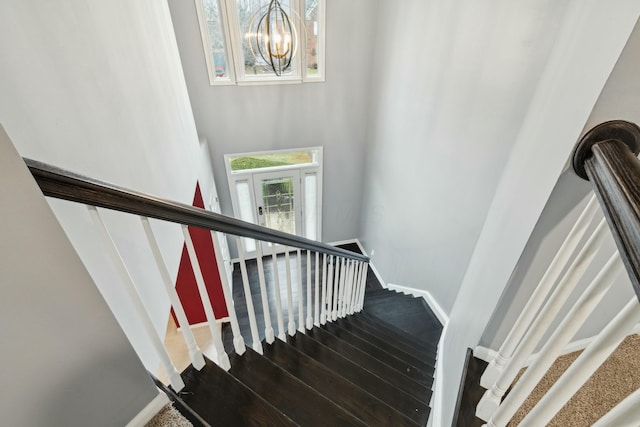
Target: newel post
[{"x": 607, "y": 157}]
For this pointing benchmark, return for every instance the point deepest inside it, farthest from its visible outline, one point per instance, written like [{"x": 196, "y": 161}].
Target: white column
[
  {"x": 316, "y": 312},
  {"x": 268, "y": 329},
  {"x": 141, "y": 311},
  {"x": 496, "y": 366},
  {"x": 238, "y": 341},
  {"x": 253, "y": 324},
  {"x": 570, "y": 325},
  {"x": 276, "y": 283},
  {"x": 492, "y": 397},
  {"x": 220, "y": 356},
  {"x": 309, "y": 302},
  {"x": 584, "y": 366},
  {"x": 290, "y": 315},
  {"x": 323, "y": 302},
  {"x": 195, "y": 355},
  {"x": 300, "y": 292},
  {"x": 625, "y": 414}
]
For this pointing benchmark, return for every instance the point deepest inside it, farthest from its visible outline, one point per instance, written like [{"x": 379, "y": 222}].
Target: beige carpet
[
  {"x": 617, "y": 378},
  {"x": 169, "y": 417}
]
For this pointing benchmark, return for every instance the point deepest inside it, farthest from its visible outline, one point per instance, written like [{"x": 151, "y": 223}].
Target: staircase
[
  {"x": 360, "y": 370},
  {"x": 350, "y": 353}
]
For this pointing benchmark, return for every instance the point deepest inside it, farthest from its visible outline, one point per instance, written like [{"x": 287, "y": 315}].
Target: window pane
[
  {"x": 246, "y": 211},
  {"x": 312, "y": 26},
  {"x": 248, "y": 10},
  {"x": 310, "y": 207},
  {"x": 278, "y": 202},
  {"x": 216, "y": 39},
  {"x": 272, "y": 160}
]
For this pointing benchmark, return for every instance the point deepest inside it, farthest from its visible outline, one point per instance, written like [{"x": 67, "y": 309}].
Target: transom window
[{"x": 232, "y": 59}]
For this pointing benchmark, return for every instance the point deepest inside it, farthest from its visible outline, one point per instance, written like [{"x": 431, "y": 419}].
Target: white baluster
[
  {"x": 220, "y": 356},
  {"x": 253, "y": 324},
  {"x": 584, "y": 366},
  {"x": 290, "y": 315},
  {"x": 329, "y": 302},
  {"x": 343, "y": 276},
  {"x": 238, "y": 341},
  {"x": 363, "y": 287},
  {"x": 492, "y": 397},
  {"x": 323, "y": 302},
  {"x": 309, "y": 285},
  {"x": 347, "y": 288},
  {"x": 336, "y": 290},
  {"x": 300, "y": 293},
  {"x": 268, "y": 329},
  {"x": 570, "y": 325},
  {"x": 195, "y": 355},
  {"x": 316, "y": 312},
  {"x": 276, "y": 283},
  {"x": 625, "y": 414},
  {"x": 496, "y": 366},
  {"x": 356, "y": 287},
  {"x": 141, "y": 311}
]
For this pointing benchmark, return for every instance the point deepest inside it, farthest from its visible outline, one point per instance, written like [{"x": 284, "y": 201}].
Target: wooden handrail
[
  {"x": 66, "y": 185},
  {"x": 607, "y": 157}
]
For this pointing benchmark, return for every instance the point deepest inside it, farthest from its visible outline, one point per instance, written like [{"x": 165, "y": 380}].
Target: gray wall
[
  {"x": 333, "y": 114},
  {"x": 620, "y": 99},
  {"x": 97, "y": 87},
  {"x": 449, "y": 97},
  {"x": 66, "y": 362}
]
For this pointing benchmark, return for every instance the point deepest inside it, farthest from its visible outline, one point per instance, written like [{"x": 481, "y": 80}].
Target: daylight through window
[{"x": 226, "y": 37}]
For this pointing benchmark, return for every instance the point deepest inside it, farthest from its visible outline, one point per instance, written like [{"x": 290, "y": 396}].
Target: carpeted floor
[
  {"x": 617, "y": 378},
  {"x": 169, "y": 417}
]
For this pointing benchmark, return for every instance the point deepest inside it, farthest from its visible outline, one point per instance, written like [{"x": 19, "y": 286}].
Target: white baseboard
[
  {"x": 149, "y": 411},
  {"x": 487, "y": 354},
  {"x": 435, "y": 417},
  {"x": 343, "y": 242},
  {"x": 431, "y": 301}
]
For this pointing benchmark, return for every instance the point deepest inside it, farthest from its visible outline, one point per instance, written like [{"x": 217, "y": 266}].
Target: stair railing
[
  {"x": 341, "y": 269},
  {"x": 606, "y": 156}
]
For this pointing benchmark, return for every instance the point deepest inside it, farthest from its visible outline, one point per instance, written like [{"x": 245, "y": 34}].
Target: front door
[{"x": 278, "y": 198}]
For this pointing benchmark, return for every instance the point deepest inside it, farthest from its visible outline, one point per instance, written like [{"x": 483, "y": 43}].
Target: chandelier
[{"x": 273, "y": 36}]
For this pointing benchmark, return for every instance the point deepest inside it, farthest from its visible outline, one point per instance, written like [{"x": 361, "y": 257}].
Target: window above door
[{"x": 230, "y": 58}]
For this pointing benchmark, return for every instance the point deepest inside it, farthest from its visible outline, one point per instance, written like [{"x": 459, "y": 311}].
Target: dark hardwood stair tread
[
  {"x": 402, "y": 317},
  {"x": 342, "y": 392},
  {"x": 403, "y": 402},
  {"x": 417, "y": 374},
  {"x": 399, "y": 379},
  {"x": 385, "y": 329},
  {"x": 390, "y": 345},
  {"x": 220, "y": 399},
  {"x": 292, "y": 397}
]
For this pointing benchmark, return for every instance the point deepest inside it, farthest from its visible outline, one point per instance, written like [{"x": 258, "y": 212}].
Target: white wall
[
  {"x": 65, "y": 361},
  {"x": 558, "y": 111},
  {"x": 97, "y": 87},
  {"x": 619, "y": 99},
  {"x": 449, "y": 96},
  {"x": 333, "y": 114}
]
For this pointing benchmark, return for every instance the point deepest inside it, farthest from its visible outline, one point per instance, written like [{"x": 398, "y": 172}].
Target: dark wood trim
[
  {"x": 611, "y": 165},
  {"x": 180, "y": 404},
  {"x": 463, "y": 378},
  {"x": 66, "y": 185}
]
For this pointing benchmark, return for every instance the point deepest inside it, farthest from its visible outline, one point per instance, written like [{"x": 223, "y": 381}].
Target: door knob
[{"x": 260, "y": 210}]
